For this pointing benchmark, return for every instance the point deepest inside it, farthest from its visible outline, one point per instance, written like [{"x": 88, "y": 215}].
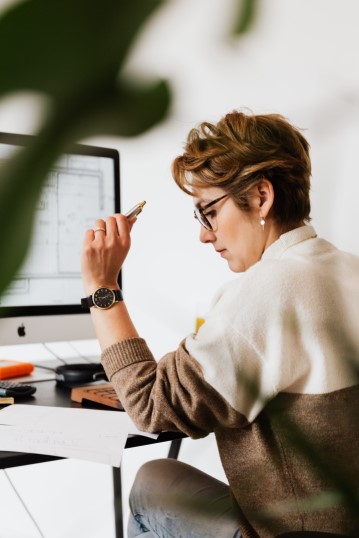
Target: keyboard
[{"x": 100, "y": 394}]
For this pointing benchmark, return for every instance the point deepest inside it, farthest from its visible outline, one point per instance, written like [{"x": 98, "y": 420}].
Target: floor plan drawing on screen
[{"x": 78, "y": 190}]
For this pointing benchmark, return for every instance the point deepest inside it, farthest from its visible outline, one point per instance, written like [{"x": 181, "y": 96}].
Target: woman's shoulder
[
  {"x": 264, "y": 282},
  {"x": 270, "y": 281},
  {"x": 297, "y": 274}
]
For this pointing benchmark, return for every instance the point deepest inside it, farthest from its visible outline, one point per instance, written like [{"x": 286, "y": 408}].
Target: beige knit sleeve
[{"x": 170, "y": 395}]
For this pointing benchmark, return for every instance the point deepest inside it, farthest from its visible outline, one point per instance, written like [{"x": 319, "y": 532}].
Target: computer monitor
[{"x": 42, "y": 304}]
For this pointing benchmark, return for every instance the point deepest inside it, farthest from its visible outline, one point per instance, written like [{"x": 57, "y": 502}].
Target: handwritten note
[{"x": 87, "y": 434}]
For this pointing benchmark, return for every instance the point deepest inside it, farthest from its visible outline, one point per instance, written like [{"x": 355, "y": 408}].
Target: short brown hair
[{"x": 242, "y": 149}]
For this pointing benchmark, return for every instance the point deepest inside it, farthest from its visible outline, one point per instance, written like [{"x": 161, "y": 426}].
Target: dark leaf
[
  {"x": 247, "y": 10},
  {"x": 71, "y": 51},
  {"x": 126, "y": 111},
  {"x": 20, "y": 186},
  {"x": 63, "y": 47}
]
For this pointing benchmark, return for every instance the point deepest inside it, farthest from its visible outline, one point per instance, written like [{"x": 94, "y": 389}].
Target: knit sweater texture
[{"x": 273, "y": 373}]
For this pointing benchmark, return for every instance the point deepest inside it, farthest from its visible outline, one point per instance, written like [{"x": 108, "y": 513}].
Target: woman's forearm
[
  {"x": 113, "y": 325},
  {"x": 102, "y": 257}
]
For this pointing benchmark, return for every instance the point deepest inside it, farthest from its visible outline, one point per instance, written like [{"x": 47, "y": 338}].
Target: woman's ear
[{"x": 265, "y": 196}]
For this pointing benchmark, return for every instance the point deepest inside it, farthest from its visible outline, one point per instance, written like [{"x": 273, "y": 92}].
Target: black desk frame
[{"x": 51, "y": 395}]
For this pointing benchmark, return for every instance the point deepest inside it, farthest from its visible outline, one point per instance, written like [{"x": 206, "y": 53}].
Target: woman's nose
[{"x": 206, "y": 236}]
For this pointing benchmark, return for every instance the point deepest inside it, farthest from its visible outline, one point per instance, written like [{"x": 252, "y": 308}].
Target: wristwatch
[{"x": 102, "y": 298}]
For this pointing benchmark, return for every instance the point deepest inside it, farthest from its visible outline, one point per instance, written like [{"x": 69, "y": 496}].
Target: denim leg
[
  {"x": 170, "y": 499},
  {"x": 136, "y": 530}
]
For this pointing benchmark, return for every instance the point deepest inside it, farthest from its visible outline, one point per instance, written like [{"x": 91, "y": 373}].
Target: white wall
[{"x": 298, "y": 60}]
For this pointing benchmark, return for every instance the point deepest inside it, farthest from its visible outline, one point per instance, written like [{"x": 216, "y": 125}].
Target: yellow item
[{"x": 199, "y": 322}]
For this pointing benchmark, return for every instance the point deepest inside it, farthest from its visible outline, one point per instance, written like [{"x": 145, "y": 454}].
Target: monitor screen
[{"x": 82, "y": 186}]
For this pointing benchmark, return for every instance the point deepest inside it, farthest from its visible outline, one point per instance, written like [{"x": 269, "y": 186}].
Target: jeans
[{"x": 170, "y": 499}]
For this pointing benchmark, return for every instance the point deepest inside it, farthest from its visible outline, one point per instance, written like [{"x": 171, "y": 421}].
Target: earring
[{"x": 262, "y": 222}]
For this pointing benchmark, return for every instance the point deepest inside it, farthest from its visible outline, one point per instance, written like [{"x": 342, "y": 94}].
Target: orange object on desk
[
  {"x": 101, "y": 394},
  {"x": 10, "y": 369}
]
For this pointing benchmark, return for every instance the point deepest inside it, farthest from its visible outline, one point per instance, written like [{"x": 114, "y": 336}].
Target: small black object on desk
[{"x": 73, "y": 375}]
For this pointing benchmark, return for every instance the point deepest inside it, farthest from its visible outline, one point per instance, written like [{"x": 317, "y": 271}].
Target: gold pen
[{"x": 136, "y": 210}]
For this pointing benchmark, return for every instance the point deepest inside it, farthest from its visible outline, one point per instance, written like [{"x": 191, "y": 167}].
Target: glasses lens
[
  {"x": 202, "y": 219},
  {"x": 201, "y": 212}
]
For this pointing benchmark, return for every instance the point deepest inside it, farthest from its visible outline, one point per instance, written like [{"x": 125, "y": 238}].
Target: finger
[
  {"x": 123, "y": 228},
  {"x": 111, "y": 227},
  {"x": 89, "y": 236},
  {"x": 100, "y": 228},
  {"x": 123, "y": 225},
  {"x": 132, "y": 222}
]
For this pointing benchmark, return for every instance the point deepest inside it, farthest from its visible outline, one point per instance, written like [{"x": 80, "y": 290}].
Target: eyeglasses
[{"x": 204, "y": 216}]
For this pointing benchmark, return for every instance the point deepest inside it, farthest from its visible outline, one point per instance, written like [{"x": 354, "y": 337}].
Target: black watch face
[{"x": 103, "y": 298}]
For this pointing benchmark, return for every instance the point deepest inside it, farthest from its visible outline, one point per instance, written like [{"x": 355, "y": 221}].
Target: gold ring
[{"x": 99, "y": 230}]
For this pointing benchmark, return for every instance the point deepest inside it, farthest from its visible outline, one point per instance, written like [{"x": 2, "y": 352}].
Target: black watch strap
[{"x": 87, "y": 302}]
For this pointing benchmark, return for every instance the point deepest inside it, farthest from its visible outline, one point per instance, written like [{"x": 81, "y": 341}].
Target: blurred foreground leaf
[
  {"x": 246, "y": 13},
  {"x": 70, "y": 51},
  {"x": 68, "y": 47}
]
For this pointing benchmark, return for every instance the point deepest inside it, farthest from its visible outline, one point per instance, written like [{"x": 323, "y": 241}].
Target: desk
[{"x": 48, "y": 393}]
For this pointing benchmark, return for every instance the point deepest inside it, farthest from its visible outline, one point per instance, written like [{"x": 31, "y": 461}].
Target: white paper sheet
[{"x": 88, "y": 434}]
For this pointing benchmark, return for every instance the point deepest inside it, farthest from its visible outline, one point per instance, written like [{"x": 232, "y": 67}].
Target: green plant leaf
[
  {"x": 20, "y": 187},
  {"x": 247, "y": 10},
  {"x": 127, "y": 110},
  {"x": 72, "y": 52},
  {"x": 63, "y": 47}
]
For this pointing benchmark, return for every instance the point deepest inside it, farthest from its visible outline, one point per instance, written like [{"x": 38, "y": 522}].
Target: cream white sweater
[{"x": 287, "y": 324}]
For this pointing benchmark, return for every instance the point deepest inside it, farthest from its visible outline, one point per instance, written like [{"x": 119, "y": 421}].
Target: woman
[{"x": 271, "y": 369}]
